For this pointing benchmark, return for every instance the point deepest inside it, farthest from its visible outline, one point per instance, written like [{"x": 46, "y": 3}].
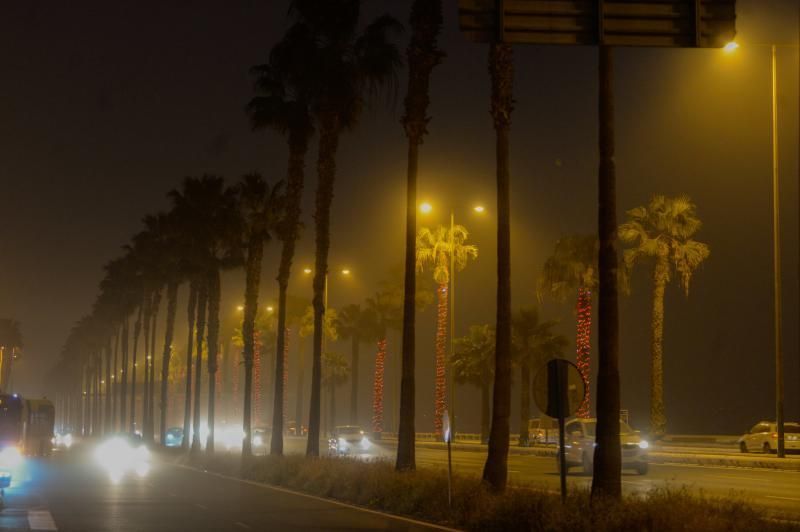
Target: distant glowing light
[
  {"x": 479, "y": 209},
  {"x": 307, "y": 271},
  {"x": 270, "y": 309},
  {"x": 425, "y": 208},
  {"x": 345, "y": 272},
  {"x": 731, "y": 47},
  {"x": 240, "y": 308}
]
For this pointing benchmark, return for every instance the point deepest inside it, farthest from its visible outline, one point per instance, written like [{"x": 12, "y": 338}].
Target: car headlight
[
  {"x": 643, "y": 444},
  {"x": 10, "y": 458},
  {"x": 365, "y": 443},
  {"x": 258, "y": 441}
]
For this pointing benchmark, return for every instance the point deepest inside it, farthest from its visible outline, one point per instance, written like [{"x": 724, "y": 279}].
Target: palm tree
[
  {"x": 573, "y": 265},
  {"x": 306, "y": 329},
  {"x": 210, "y": 208},
  {"x": 423, "y": 55},
  {"x": 347, "y": 66},
  {"x": 382, "y": 312},
  {"x": 501, "y": 68},
  {"x": 335, "y": 371},
  {"x": 441, "y": 249},
  {"x": 282, "y": 104},
  {"x": 473, "y": 363},
  {"x": 261, "y": 209},
  {"x": 191, "y": 315},
  {"x": 535, "y": 343},
  {"x": 662, "y": 231},
  {"x": 350, "y": 325}
]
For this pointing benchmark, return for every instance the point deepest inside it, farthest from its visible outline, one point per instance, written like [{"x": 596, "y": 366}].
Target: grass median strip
[{"x": 422, "y": 495}]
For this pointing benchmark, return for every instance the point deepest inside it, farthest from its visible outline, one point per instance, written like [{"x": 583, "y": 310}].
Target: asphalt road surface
[{"x": 70, "y": 493}]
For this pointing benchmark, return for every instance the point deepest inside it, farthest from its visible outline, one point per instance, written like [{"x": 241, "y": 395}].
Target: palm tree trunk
[
  {"x": 172, "y": 306},
  {"x": 107, "y": 412},
  {"x": 658, "y": 420},
  {"x": 137, "y": 330},
  {"x": 486, "y": 406},
  {"x": 440, "y": 392},
  {"x": 187, "y": 400},
  {"x": 147, "y": 356},
  {"x": 301, "y": 383},
  {"x": 423, "y": 56},
  {"x": 123, "y": 393},
  {"x": 114, "y": 381},
  {"x": 202, "y": 300},
  {"x": 213, "y": 349},
  {"x": 149, "y": 426},
  {"x": 501, "y": 67},
  {"x": 377, "y": 390},
  {"x": 354, "y": 362},
  {"x": 326, "y": 170},
  {"x": 525, "y": 402},
  {"x": 584, "y": 347},
  {"x": 255, "y": 253},
  {"x": 607, "y": 455}
]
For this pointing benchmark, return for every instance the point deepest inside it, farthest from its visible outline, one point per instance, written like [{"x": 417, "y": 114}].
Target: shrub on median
[{"x": 423, "y": 495}]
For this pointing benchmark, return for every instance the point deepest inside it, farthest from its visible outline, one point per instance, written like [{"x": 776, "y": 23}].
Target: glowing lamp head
[
  {"x": 345, "y": 272},
  {"x": 731, "y": 47},
  {"x": 307, "y": 271},
  {"x": 479, "y": 209},
  {"x": 270, "y": 309},
  {"x": 425, "y": 208}
]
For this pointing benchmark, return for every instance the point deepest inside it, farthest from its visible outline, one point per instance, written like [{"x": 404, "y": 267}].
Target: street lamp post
[{"x": 776, "y": 250}]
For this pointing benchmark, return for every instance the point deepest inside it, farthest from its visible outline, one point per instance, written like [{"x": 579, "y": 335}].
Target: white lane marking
[
  {"x": 782, "y": 498},
  {"x": 201, "y": 506},
  {"x": 243, "y": 525},
  {"x": 727, "y": 468},
  {"x": 751, "y": 479},
  {"x": 41, "y": 520}
]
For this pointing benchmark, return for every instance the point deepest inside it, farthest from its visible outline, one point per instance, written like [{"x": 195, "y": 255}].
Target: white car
[
  {"x": 579, "y": 444},
  {"x": 763, "y": 437},
  {"x": 349, "y": 439}
]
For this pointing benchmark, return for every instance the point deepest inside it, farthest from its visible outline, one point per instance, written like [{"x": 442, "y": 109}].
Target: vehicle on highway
[
  {"x": 261, "y": 435},
  {"x": 579, "y": 444},
  {"x": 63, "y": 439},
  {"x": 121, "y": 454},
  {"x": 291, "y": 429},
  {"x": 27, "y": 424},
  {"x": 174, "y": 437},
  {"x": 543, "y": 430},
  {"x": 348, "y": 439},
  {"x": 763, "y": 437}
]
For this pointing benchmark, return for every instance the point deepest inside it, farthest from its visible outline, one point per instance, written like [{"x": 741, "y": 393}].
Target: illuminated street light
[
  {"x": 270, "y": 309},
  {"x": 425, "y": 207},
  {"x": 240, "y": 308},
  {"x": 345, "y": 272},
  {"x": 307, "y": 271},
  {"x": 479, "y": 209}
]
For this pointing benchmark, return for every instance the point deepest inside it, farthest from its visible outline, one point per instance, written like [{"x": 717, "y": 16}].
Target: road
[{"x": 70, "y": 493}]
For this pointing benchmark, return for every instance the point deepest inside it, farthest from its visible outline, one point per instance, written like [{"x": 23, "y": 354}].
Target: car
[
  {"x": 763, "y": 437},
  {"x": 261, "y": 436},
  {"x": 291, "y": 429},
  {"x": 543, "y": 430},
  {"x": 579, "y": 437},
  {"x": 174, "y": 437},
  {"x": 348, "y": 439}
]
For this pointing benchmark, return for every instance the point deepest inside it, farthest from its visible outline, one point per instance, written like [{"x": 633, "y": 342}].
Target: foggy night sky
[{"x": 104, "y": 107}]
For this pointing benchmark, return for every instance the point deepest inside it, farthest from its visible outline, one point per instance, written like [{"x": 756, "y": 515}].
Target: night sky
[{"x": 105, "y": 106}]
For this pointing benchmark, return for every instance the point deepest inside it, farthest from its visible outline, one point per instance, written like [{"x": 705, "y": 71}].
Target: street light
[
  {"x": 426, "y": 208},
  {"x": 776, "y": 249}
]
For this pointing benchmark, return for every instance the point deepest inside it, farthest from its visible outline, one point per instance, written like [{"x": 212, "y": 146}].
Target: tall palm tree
[
  {"x": 573, "y": 266},
  {"x": 423, "y": 55},
  {"x": 473, "y": 363},
  {"x": 191, "y": 315},
  {"x": 207, "y": 205},
  {"x": 501, "y": 69},
  {"x": 350, "y": 324},
  {"x": 662, "y": 233},
  {"x": 10, "y": 342},
  {"x": 382, "y": 312},
  {"x": 304, "y": 330},
  {"x": 283, "y": 87},
  {"x": 349, "y": 66},
  {"x": 335, "y": 371},
  {"x": 535, "y": 343},
  {"x": 439, "y": 249},
  {"x": 261, "y": 210}
]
